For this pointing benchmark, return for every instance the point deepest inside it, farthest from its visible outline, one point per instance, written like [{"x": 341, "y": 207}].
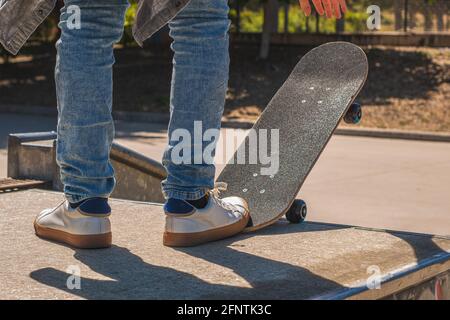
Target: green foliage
[
  {"x": 127, "y": 38},
  {"x": 251, "y": 18},
  {"x": 252, "y": 21},
  {"x": 131, "y": 14},
  {"x": 356, "y": 21}
]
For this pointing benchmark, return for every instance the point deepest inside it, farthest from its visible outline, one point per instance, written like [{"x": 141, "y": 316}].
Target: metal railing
[{"x": 396, "y": 15}]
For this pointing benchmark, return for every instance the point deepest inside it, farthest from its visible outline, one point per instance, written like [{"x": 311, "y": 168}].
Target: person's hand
[{"x": 332, "y": 8}]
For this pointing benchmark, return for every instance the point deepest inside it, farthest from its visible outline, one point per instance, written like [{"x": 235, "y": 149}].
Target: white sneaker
[
  {"x": 219, "y": 219},
  {"x": 87, "y": 226}
]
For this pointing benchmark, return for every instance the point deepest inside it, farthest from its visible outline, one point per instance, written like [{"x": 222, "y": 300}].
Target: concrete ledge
[
  {"x": 394, "y": 134},
  {"x": 293, "y": 261}
]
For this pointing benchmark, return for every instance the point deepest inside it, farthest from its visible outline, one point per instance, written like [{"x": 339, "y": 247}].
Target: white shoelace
[{"x": 218, "y": 187}]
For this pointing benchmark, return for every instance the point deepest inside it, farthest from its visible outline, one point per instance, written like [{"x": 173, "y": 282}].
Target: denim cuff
[
  {"x": 72, "y": 198},
  {"x": 184, "y": 195}
]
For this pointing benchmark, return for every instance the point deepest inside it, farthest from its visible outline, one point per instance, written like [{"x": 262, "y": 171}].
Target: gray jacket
[{"x": 20, "y": 18}]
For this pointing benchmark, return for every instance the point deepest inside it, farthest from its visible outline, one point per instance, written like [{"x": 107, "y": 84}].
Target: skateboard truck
[{"x": 354, "y": 114}]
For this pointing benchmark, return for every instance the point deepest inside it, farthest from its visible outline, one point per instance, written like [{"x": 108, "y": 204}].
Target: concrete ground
[
  {"x": 284, "y": 261},
  {"x": 379, "y": 183}
]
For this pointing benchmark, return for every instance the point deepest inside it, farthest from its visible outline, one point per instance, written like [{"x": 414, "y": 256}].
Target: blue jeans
[{"x": 84, "y": 92}]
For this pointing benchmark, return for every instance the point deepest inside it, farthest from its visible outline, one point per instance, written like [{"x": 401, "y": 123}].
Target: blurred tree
[
  {"x": 398, "y": 14},
  {"x": 340, "y": 24},
  {"x": 286, "y": 17},
  {"x": 127, "y": 37},
  {"x": 428, "y": 15},
  {"x": 448, "y": 17},
  {"x": 413, "y": 10},
  {"x": 238, "y": 5},
  {"x": 270, "y": 26},
  {"x": 442, "y": 8}
]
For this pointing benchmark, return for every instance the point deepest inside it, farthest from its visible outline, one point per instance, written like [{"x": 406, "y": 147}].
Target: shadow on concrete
[
  {"x": 132, "y": 278},
  {"x": 142, "y": 77},
  {"x": 399, "y": 74},
  {"x": 129, "y": 277},
  {"x": 423, "y": 245}
]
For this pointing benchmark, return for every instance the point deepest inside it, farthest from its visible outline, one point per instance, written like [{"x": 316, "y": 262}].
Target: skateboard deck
[{"x": 305, "y": 112}]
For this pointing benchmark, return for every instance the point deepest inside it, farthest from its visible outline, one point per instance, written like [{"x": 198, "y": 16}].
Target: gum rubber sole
[
  {"x": 171, "y": 239},
  {"x": 95, "y": 241}
]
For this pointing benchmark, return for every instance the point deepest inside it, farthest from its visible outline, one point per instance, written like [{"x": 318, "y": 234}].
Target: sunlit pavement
[
  {"x": 379, "y": 183},
  {"x": 290, "y": 261}
]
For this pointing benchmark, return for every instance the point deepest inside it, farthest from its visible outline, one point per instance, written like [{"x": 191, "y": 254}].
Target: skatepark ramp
[
  {"x": 284, "y": 261},
  {"x": 31, "y": 157},
  {"x": 310, "y": 260}
]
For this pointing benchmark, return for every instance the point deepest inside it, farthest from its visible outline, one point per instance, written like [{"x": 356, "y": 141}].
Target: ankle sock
[
  {"x": 92, "y": 206},
  {"x": 199, "y": 203},
  {"x": 75, "y": 205}
]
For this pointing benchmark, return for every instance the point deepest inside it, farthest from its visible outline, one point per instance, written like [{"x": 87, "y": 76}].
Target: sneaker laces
[{"x": 215, "y": 193}]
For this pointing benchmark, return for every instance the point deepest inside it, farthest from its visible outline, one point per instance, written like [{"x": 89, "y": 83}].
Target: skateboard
[{"x": 297, "y": 124}]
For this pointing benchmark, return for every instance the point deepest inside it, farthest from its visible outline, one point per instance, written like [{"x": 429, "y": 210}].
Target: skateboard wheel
[
  {"x": 297, "y": 212},
  {"x": 354, "y": 114}
]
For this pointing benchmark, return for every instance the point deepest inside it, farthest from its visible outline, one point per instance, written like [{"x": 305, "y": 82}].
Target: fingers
[
  {"x": 343, "y": 4},
  {"x": 319, "y": 7},
  {"x": 336, "y": 9},
  {"x": 331, "y": 8},
  {"x": 340, "y": 7},
  {"x": 306, "y": 8},
  {"x": 328, "y": 8}
]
